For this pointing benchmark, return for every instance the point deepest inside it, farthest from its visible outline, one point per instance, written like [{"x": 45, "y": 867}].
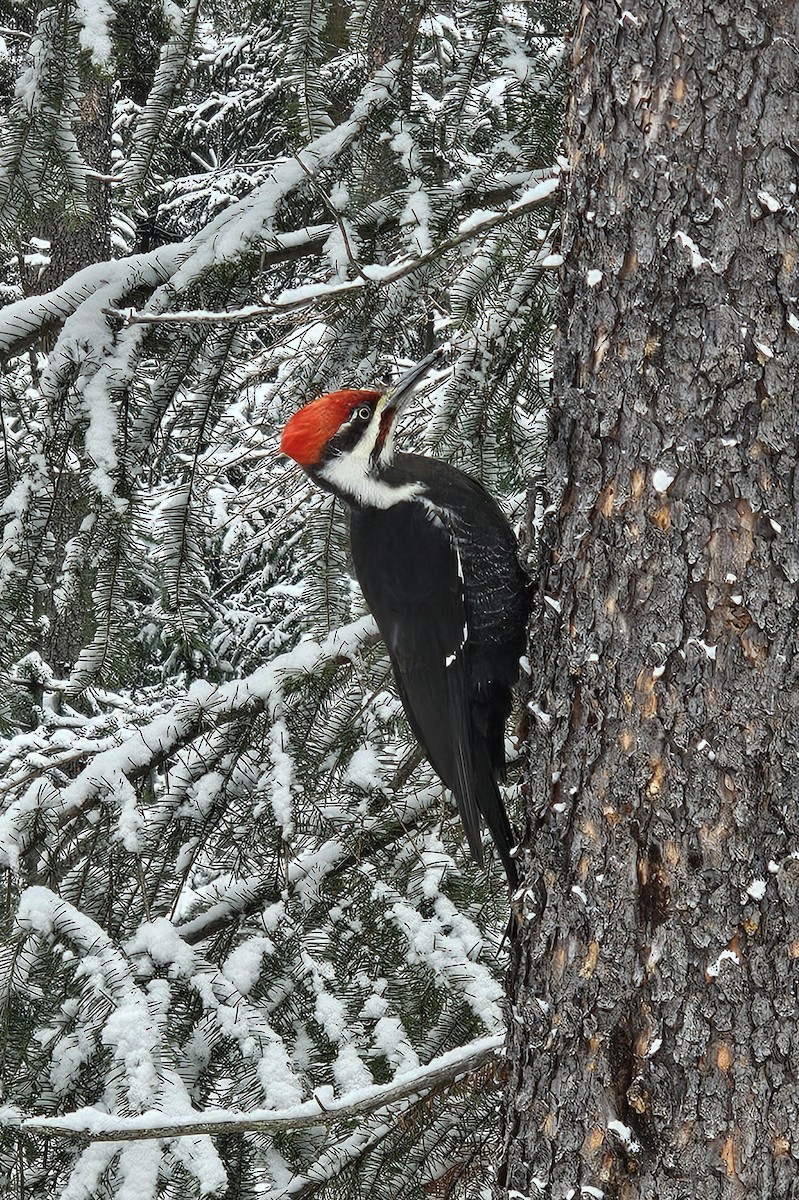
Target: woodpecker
[{"x": 438, "y": 565}]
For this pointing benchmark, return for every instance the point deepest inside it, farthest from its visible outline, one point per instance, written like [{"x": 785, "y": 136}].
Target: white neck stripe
[{"x": 350, "y": 475}]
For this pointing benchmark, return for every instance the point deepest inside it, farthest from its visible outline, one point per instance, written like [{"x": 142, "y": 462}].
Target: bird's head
[
  {"x": 345, "y": 439},
  {"x": 353, "y": 421}
]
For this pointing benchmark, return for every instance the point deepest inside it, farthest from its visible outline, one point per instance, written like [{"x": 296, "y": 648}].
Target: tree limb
[{"x": 91, "y": 1125}]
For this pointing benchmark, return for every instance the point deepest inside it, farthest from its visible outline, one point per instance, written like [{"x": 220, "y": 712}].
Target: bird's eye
[{"x": 363, "y": 413}]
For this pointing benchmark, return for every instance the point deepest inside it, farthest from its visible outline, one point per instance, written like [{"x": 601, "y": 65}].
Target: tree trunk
[{"x": 654, "y": 1044}]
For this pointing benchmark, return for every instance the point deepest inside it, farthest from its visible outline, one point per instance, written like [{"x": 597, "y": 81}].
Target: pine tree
[{"x": 232, "y": 881}]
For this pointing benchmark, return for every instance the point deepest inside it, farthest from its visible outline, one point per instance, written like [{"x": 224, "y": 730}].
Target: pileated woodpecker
[{"x": 437, "y": 563}]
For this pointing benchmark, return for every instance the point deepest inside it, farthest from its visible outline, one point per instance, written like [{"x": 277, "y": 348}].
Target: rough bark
[{"x": 654, "y": 1040}]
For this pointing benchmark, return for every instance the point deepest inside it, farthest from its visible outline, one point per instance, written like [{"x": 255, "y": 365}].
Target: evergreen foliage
[{"x": 231, "y": 880}]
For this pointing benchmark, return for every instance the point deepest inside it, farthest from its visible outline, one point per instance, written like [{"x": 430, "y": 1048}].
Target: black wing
[
  {"x": 407, "y": 566},
  {"x": 454, "y": 638}
]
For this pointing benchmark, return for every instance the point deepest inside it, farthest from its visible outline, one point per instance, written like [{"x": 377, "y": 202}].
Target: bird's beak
[{"x": 403, "y": 389}]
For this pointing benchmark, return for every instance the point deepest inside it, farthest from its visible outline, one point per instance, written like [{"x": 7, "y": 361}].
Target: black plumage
[{"x": 440, "y": 574}]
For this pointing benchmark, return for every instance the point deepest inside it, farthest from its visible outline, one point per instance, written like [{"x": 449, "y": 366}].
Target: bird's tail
[
  {"x": 478, "y": 792},
  {"x": 496, "y": 818}
]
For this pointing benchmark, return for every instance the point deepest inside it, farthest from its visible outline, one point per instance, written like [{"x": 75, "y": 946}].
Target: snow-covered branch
[
  {"x": 92, "y": 1125},
  {"x": 206, "y": 705},
  {"x": 477, "y": 223}
]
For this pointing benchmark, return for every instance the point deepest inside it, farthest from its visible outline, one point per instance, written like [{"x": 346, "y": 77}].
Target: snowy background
[{"x": 232, "y": 885}]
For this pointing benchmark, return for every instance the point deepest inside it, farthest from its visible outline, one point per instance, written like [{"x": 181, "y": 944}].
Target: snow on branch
[
  {"x": 92, "y": 1125},
  {"x": 474, "y": 225},
  {"x": 111, "y": 282},
  {"x": 24, "y": 320},
  {"x": 206, "y": 704}
]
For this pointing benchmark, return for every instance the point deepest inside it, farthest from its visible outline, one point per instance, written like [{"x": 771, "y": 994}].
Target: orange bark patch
[
  {"x": 637, "y": 483},
  {"x": 728, "y": 1155},
  {"x": 662, "y": 518},
  {"x": 594, "y": 1140},
  {"x": 655, "y": 785},
  {"x": 559, "y": 961},
  {"x": 754, "y": 647},
  {"x": 601, "y": 347},
  {"x": 606, "y": 498},
  {"x": 671, "y": 853},
  {"x": 627, "y": 741},
  {"x": 724, "y": 1056},
  {"x": 590, "y": 831},
  {"x": 645, "y": 685},
  {"x": 590, "y": 961}
]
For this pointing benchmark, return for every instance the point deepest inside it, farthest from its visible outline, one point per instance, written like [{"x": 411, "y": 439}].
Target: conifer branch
[{"x": 91, "y": 1125}]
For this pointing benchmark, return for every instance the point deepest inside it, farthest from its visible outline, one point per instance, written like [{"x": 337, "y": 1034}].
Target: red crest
[{"x": 310, "y": 429}]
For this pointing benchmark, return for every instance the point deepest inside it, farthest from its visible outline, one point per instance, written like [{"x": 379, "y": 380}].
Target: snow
[
  {"x": 415, "y": 218},
  {"x": 349, "y": 1071},
  {"x": 281, "y": 778},
  {"x": 163, "y": 944},
  {"x": 243, "y": 965},
  {"x": 201, "y": 1159},
  {"x": 447, "y": 954},
  {"x": 69, "y": 1054},
  {"x": 95, "y": 19},
  {"x": 252, "y": 218},
  {"x": 708, "y": 650},
  {"x": 262, "y": 687},
  {"x": 412, "y": 1081},
  {"x": 662, "y": 479},
  {"x": 768, "y": 201},
  {"x": 477, "y": 219},
  {"x": 725, "y": 956},
  {"x": 391, "y": 1040},
  {"x": 363, "y": 770},
  {"x": 757, "y": 889},
  {"x": 404, "y": 146},
  {"x": 594, "y": 277},
  {"x": 625, "y": 1135},
  {"x": 339, "y": 196},
  {"x": 85, "y": 1178},
  {"x": 537, "y": 193},
  {"x": 698, "y": 260},
  {"x": 340, "y": 249},
  {"x": 192, "y": 790},
  {"x": 552, "y": 261}
]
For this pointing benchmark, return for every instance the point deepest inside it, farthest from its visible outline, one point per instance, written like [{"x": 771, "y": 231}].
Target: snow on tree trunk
[{"x": 653, "y": 1041}]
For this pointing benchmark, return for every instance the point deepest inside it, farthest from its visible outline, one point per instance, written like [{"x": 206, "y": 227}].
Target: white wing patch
[{"x": 450, "y": 659}]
